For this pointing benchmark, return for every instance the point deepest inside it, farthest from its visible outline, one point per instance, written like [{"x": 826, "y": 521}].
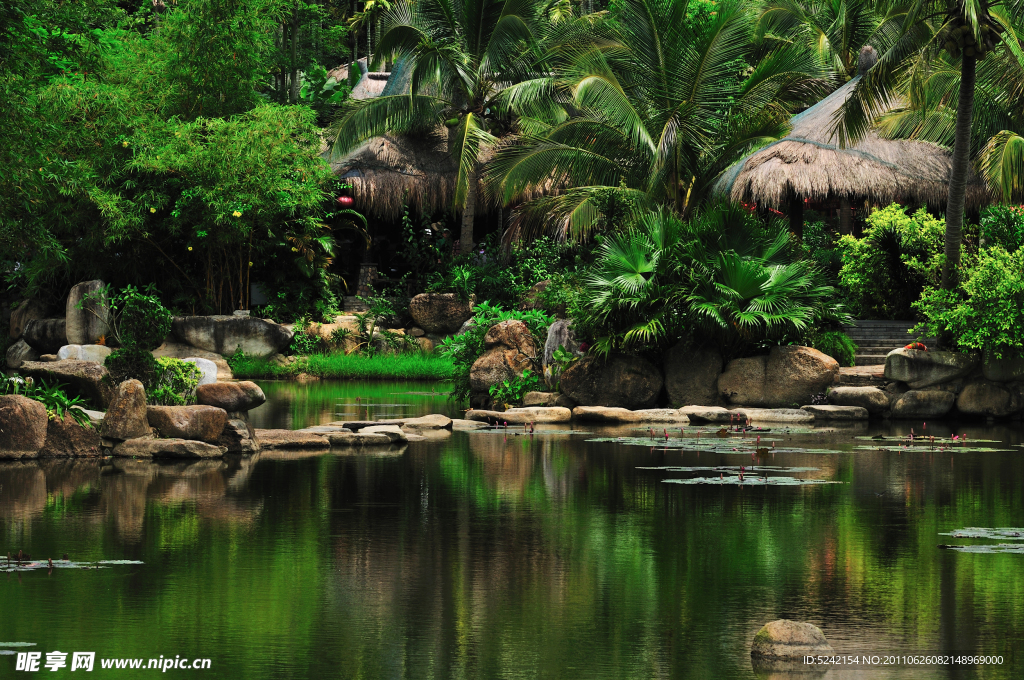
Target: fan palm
[
  {"x": 462, "y": 55},
  {"x": 660, "y": 105},
  {"x": 968, "y": 31}
]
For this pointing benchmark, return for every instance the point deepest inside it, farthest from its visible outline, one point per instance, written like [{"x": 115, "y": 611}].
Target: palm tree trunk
[
  {"x": 845, "y": 217},
  {"x": 294, "y": 98},
  {"x": 958, "y": 174},
  {"x": 468, "y": 215}
]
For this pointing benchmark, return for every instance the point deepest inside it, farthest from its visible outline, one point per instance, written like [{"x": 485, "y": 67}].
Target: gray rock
[
  {"x": 788, "y": 376},
  {"x": 468, "y": 425},
  {"x": 86, "y": 325},
  {"x": 67, "y": 439},
  {"x": 238, "y": 436},
  {"x": 441, "y": 313},
  {"x": 707, "y": 414},
  {"x": 522, "y": 416},
  {"x": 46, "y": 336},
  {"x": 23, "y": 424},
  {"x": 126, "y": 415},
  {"x": 989, "y": 398},
  {"x": 691, "y": 375},
  {"x": 393, "y": 432},
  {"x": 225, "y": 334},
  {"x": 202, "y": 423},
  {"x": 560, "y": 334},
  {"x": 830, "y": 412},
  {"x": 920, "y": 368},
  {"x": 207, "y": 368},
  {"x": 775, "y": 415},
  {"x": 605, "y": 414},
  {"x": 547, "y": 399},
  {"x": 784, "y": 639},
  {"x": 742, "y": 382},
  {"x": 19, "y": 353},
  {"x": 434, "y": 421},
  {"x": 324, "y": 429},
  {"x": 662, "y": 415},
  {"x": 623, "y": 380},
  {"x": 233, "y": 397},
  {"x": 148, "y": 447},
  {"x": 85, "y": 378},
  {"x": 290, "y": 439},
  {"x": 95, "y": 353},
  {"x": 360, "y": 439},
  {"x": 28, "y": 310},
  {"x": 180, "y": 350},
  {"x": 923, "y": 404},
  {"x": 870, "y": 398},
  {"x": 1002, "y": 370},
  {"x": 418, "y": 332}
]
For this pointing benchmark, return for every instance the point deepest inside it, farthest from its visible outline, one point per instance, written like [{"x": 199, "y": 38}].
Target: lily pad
[
  {"x": 1003, "y": 533},
  {"x": 928, "y": 449},
  {"x": 32, "y": 565},
  {"x": 519, "y": 432},
  {"x": 918, "y": 440},
  {"x": 731, "y": 468},
  {"x": 749, "y": 480},
  {"x": 17, "y": 644},
  {"x": 735, "y": 445},
  {"x": 1014, "y": 548}
]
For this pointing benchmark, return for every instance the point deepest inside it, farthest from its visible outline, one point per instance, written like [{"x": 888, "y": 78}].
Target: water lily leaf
[
  {"x": 927, "y": 449},
  {"x": 1015, "y": 548},
  {"x": 1011, "y": 533},
  {"x": 751, "y": 480}
]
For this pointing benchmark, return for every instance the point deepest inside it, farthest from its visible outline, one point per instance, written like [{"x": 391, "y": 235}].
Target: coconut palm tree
[
  {"x": 462, "y": 55},
  {"x": 968, "y": 31},
  {"x": 661, "y": 102}
]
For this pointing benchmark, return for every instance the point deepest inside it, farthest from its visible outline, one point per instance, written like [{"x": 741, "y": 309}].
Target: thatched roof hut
[{"x": 808, "y": 164}]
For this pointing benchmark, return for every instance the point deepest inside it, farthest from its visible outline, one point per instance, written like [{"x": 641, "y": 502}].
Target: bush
[
  {"x": 168, "y": 382},
  {"x": 1003, "y": 225},
  {"x": 512, "y": 391},
  {"x": 130, "y": 363},
  {"x": 53, "y": 397},
  {"x": 137, "y": 319},
  {"x": 836, "y": 344}
]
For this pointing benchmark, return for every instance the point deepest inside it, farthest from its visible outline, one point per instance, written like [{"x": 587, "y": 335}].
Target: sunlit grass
[{"x": 413, "y": 366}]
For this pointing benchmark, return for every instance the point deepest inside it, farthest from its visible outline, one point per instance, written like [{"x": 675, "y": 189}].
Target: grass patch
[{"x": 349, "y": 367}]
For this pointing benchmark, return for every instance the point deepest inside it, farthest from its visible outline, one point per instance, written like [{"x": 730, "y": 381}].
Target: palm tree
[
  {"x": 660, "y": 104},
  {"x": 968, "y": 31},
  {"x": 462, "y": 55}
]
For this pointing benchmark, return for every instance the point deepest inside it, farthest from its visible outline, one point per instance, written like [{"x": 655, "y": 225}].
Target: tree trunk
[
  {"x": 958, "y": 173},
  {"x": 468, "y": 215},
  {"x": 796, "y": 216},
  {"x": 845, "y": 217},
  {"x": 295, "y": 58}
]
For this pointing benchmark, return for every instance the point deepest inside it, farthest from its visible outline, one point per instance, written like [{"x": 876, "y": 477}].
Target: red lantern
[{"x": 345, "y": 201}]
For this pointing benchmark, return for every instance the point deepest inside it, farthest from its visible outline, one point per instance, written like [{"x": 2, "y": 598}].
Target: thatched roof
[{"x": 808, "y": 163}]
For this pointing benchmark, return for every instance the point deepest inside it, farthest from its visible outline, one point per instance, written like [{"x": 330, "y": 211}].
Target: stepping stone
[
  {"x": 146, "y": 447},
  {"x": 823, "y": 412},
  {"x": 324, "y": 429},
  {"x": 459, "y": 424},
  {"x": 291, "y": 439},
  {"x": 359, "y": 439},
  {"x": 707, "y": 414},
  {"x": 605, "y": 414},
  {"x": 776, "y": 415},
  {"x": 355, "y": 425},
  {"x": 394, "y": 432},
  {"x": 662, "y": 415},
  {"x": 522, "y": 416}
]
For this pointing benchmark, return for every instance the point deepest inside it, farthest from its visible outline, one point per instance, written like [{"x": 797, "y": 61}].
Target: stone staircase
[{"x": 876, "y": 338}]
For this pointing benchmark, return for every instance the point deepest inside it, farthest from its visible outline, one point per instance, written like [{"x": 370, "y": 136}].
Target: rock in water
[
  {"x": 233, "y": 397},
  {"x": 19, "y": 353},
  {"x": 691, "y": 375},
  {"x": 85, "y": 378},
  {"x": 785, "y": 639},
  {"x": 224, "y": 334},
  {"x": 623, "y": 380},
  {"x": 788, "y": 376},
  {"x": 441, "y": 313},
  {"x": 167, "y": 448},
  {"x": 46, "y": 336},
  {"x": 126, "y": 417},
  {"x": 28, "y": 310},
  {"x": 919, "y": 368},
  {"x": 238, "y": 435},
  {"x": 203, "y": 423},
  {"x": 832, "y": 412},
  {"x": 998, "y": 370},
  {"x": 67, "y": 439},
  {"x": 294, "y": 439},
  {"x": 511, "y": 350},
  {"x": 22, "y": 426},
  {"x": 86, "y": 325},
  {"x": 990, "y": 399},
  {"x": 871, "y": 398},
  {"x": 742, "y": 382},
  {"x": 434, "y": 421},
  {"x": 923, "y": 404}
]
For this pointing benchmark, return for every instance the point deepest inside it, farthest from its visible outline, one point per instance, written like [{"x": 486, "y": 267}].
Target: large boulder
[
  {"x": 225, "y": 334},
  {"x": 1007, "y": 368},
  {"x": 233, "y": 397},
  {"x": 511, "y": 334},
  {"x": 441, "y": 313},
  {"x": 921, "y": 368},
  {"x": 207, "y": 369},
  {"x": 605, "y": 414},
  {"x": 85, "y": 378},
  {"x": 832, "y": 412},
  {"x": 126, "y": 416},
  {"x": 785, "y": 639},
  {"x": 923, "y": 404},
  {"x": 989, "y": 398},
  {"x": 19, "y": 353},
  {"x": 511, "y": 350},
  {"x": 622, "y": 380},
  {"x": 203, "y": 423},
  {"x": 46, "y": 336},
  {"x": 146, "y": 447},
  {"x": 522, "y": 416},
  {"x": 28, "y": 310},
  {"x": 691, "y": 375},
  {"x": 560, "y": 334},
  {"x": 547, "y": 399},
  {"x": 871, "y": 398},
  {"x": 22, "y": 426},
  {"x": 67, "y": 439},
  {"x": 180, "y": 350},
  {"x": 433, "y": 421},
  {"x": 238, "y": 436},
  {"x": 295, "y": 439},
  {"x": 788, "y": 376},
  {"x": 89, "y": 323},
  {"x": 96, "y": 353}
]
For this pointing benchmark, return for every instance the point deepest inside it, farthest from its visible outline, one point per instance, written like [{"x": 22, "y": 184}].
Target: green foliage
[
  {"x": 836, "y": 344},
  {"x": 131, "y": 363},
  {"x": 321, "y": 93},
  {"x": 464, "y": 349},
  {"x": 884, "y": 272},
  {"x": 986, "y": 310},
  {"x": 53, "y": 397},
  {"x": 176, "y": 384},
  {"x": 137, "y": 318},
  {"x": 411, "y": 366},
  {"x": 512, "y": 391},
  {"x": 1003, "y": 225}
]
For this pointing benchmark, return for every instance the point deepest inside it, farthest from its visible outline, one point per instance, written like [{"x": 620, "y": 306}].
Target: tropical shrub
[
  {"x": 137, "y": 318},
  {"x": 58, "y": 404},
  {"x": 1003, "y": 225},
  {"x": 986, "y": 310},
  {"x": 176, "y": 384},
  {"x": 884, "y": 273},
  {"x": 512, "y": 391},
  {"x": 836, "y": 344}
]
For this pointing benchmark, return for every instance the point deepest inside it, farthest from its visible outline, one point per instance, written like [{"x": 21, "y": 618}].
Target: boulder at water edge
[
  {"x": 233, "y": 397},
  {"x": 180, "y": 350},
  {"x": 990, "y": 399},
  {"x": 622, "y": 380},
  {"x": 788, "y": 376},
  {"x": 560, "y": 334},
  {"x": 46, "y": 336},
  {"x": 19, "y": 353},
  {"x": 691, "y": 375},
  {"x": 67, "y": 439},
  {"x": 920, "y": 368},
  {"x": 85, "y": 378},
  {"x": 238, "y": 436},
  {"x": 870, "y": 398},
  {"x": 785, "y": 639},
  {"x": 207, "y": 369},
  {"x": 605, "y": 414},
  {"x": 440, "y": 313},
  {"x": 126, "y": 416},
  {"x": 511, "y": 350},
  {"x": 1004, "y": 369},
  {"x": 147, "y": 447},
  {"x": 225, "y": 334},
  {"x": 88, "y": 324},
  {"x": 28, "y": 310},
  {"x": 923, "y": 404},
  {"x": 22, "y": 426},
  {"x": 203, "y": 423},
  {"x": 547, "y": 399},
  {"x": 294, "y": 439}
]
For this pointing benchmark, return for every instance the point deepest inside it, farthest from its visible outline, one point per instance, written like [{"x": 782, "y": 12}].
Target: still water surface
[{"x": 486, "y": 556}]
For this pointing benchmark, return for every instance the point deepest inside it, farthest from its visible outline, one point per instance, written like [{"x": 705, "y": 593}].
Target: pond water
[{"x": 492, "y": 555}]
